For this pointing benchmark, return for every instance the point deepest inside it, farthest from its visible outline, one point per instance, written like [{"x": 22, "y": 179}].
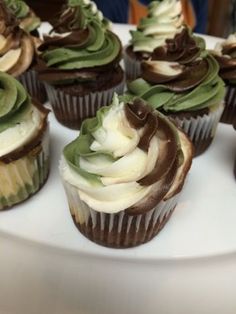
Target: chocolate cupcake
[
  {"x": 28, "y": 21},
  {"x": 17, "y": 49},
  {"x": 181, "y": 80},
  {"x": 124, "y": 173},
  {"x": 24, "y": 152},
  {"x": 164, "y": 20},
  {"x": 225, "y": 54},
  {"x": 79, "y": 64}
]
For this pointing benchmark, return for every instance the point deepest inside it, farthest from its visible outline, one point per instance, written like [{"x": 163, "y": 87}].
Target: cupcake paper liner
[
  {"x": 229, "y": 113},
  {"x": 35, "y": 88},
  {"x": 201, "y": 130},
  {"x": 72, "y": 110},
  {"x": 132, "y": 67},
  {"x": 119, "y": 230},
  {"x": 25, "y": 176}
]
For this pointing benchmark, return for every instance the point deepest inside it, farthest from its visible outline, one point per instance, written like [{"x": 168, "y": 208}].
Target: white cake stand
[{"x": 47, "y": 266}]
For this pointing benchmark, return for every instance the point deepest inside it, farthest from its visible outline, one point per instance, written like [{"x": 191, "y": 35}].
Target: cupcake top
[
  {"x": 128, "y": 157},
  {"x": 180, "y": 76},
  {"x": 79, "y": 47},
  {"x": 16, "y": 46},
  {"x": 225, "y": 54},
  {"x": 21, "y": 121},
  {"x": 28, "y": 20},
  {"x": 164, "y": 20}
]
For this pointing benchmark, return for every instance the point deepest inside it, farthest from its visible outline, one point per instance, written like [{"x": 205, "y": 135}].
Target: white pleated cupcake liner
[
  {"x": 229, "y": 113},
  {"x": 72, "y": 110},
  {"x": 35, "y": 88},
  {"x": 201, "y": 129},
  {"x": 132, "y": 67},
  {"x": 25, "y": 176},
  {"x": 118, "y": 230}
]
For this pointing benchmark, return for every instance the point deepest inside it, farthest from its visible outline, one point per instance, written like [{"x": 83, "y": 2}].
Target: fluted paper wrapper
[
  {"x": 25, "y": 176},
  {"x": 34, "y": 87},
  {"x": 72, "y": 110},
  {"x": 229, "y": 113},
  {"x": 201, "y": 129},
  {"x": 119, "y": 230},
  {"x": 132, "y": 67}
]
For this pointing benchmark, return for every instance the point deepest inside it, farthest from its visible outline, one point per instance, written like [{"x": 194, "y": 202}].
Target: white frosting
[
  {"x": 169, "y": 21},
  {"x": 165, "y": 67},
  {"x": 229, "y": 41},
  {"x": 110, "y": 198},
  {"x": 168, "y": 10},
  {"x": 11, "y": 57},
  {"x": 15, "y": 137}
]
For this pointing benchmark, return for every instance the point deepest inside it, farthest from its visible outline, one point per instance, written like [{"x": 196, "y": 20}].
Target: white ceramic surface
[{"x": 47, "y": 266}]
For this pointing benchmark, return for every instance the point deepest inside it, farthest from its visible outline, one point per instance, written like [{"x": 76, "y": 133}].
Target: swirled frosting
[
  {"x": 164, "y": 20},
  {"x": 128, "y": 157},
  {"x": 16, "y": 46},
  {"x": 20, "y": 121},
  {"x": 28, "y": 20},
  {"x": 225, "y": 54},
  {"x": 91, "y": 11},
  {"x": 79, "y": 47},
  {"x": 180, "y": 76}
]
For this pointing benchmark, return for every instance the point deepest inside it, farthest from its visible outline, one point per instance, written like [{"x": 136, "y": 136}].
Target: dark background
[{"x": 221, "y": 14}]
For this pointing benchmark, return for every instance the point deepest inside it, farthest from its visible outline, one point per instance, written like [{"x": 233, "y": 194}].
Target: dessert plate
[{"x": 188, "y": 268}]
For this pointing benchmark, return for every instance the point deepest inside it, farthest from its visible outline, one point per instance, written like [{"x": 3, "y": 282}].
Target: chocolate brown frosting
[
  {"x": 184, "y": 51},
  {"x": 140, "y": 115},
  {"x": 227, "y": 62}
]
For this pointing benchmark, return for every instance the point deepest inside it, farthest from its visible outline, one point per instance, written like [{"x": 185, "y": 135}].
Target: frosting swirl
[
  {"x": 128, "y": 157},
  {"x": 28, "y": 20},
  {"x": 91, "y": 11},
  {"x": 20, "y": 121},
  {"x": 180, "y": 76},
  {"x": 164, "y": 20},
  {"x": 79, "y": 48},
  {"x": 16, "y": 46},
  {"x": 225, "y": 54}
]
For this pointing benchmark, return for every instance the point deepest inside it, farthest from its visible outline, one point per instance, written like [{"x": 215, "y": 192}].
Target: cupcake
[
  {"x": 79, "y": 64},
  {"x": 27, "y": 18},
  {"x": 164, "y": 20},
  {"x": 124, "y": 173},
  {"x": 225, "y": 54},
  {"x": 24, "y": 158},
  {"x": 181, "y": 80},
  {"x": 17, "y": 49}
]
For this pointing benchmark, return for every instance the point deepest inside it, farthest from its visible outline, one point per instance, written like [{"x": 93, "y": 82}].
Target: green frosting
[
  {"x": 14, "y": 102},
  {"x": 80, "y": 147},
  {"x": 18, "y": 7},
  {"x": 100, "y": 47},
  {"x": 208, "y": 93},
  {"x": 21, "y": 10}
]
